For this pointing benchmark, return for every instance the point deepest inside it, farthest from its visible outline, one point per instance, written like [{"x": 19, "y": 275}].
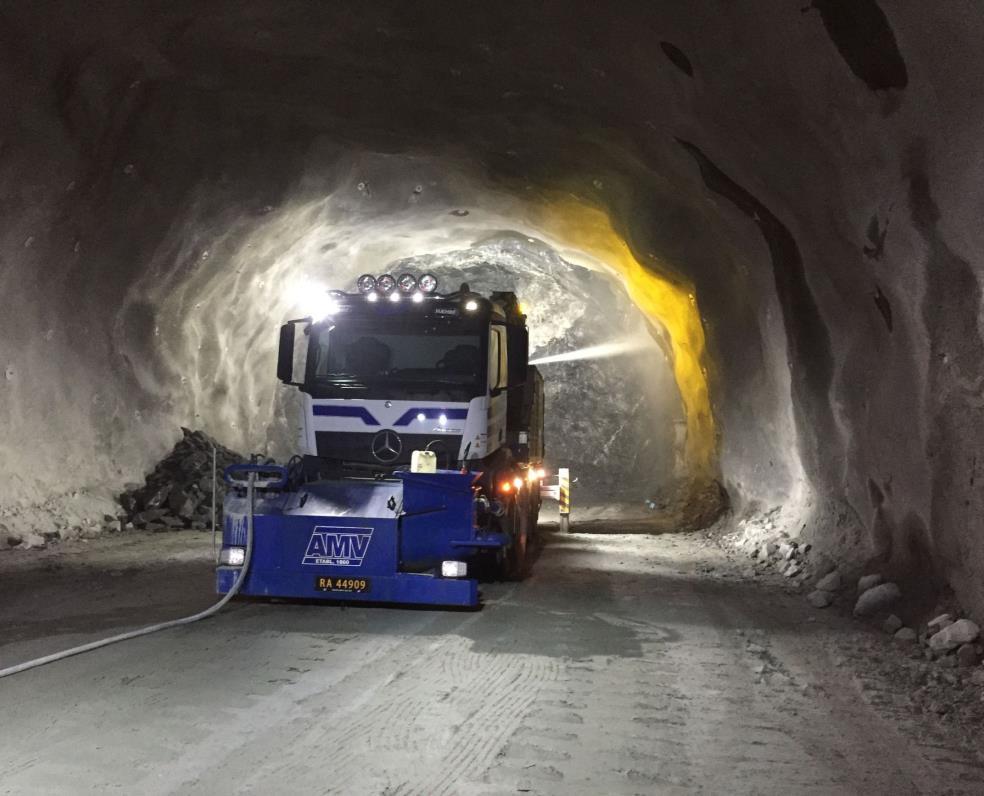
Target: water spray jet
[{"x": 602, "y": 351}]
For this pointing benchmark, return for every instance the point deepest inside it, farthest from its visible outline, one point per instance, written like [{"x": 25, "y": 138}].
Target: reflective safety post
[{"x": 564, "y": 496}]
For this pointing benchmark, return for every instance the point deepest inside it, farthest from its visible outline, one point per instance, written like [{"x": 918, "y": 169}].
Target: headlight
[
  {"x": 427, "y": 283},
  {"x": 407, "y": 283},
  {"x": 454, "y": 569},
  {"x": 232, "y": 556},
  {"x": 386, "y": 283},
  {"x": 471, "y": 305},
  {"x": 365, "y": 283}
]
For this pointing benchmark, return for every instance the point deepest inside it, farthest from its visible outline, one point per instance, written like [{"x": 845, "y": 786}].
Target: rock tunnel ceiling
[{"x": 787, "y": 193}]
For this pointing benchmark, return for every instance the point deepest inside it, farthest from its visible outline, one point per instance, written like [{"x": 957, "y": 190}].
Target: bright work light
[
  {"x": 365, "y": 283},
  {"x": 427, "y": 283},
  {"x": 232, "y": 556},
  {"x": 407, "y": 283},
  {"x": 454, "y": 569},
  {"x": 386, "y": 283}
]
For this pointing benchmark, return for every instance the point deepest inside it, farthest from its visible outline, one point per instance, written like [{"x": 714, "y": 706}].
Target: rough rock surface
[
  {"x": 963, "y": 631},
  {"x": 968, "y": 654},
  {"x": 819, "y": 598},
  {"x": 178, "y": 492},
  {"x": 866, "y": 582},
  {"x": 939, "y": 622},
  {"x": 877, "y": 598},
  {"x": 892, "y": 624},
  {"x": 831, "y": 582},
  {"x": 169, "y": 176}
]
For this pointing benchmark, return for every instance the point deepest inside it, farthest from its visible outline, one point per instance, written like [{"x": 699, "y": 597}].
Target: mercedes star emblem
[{"x": 386, "y": 446}]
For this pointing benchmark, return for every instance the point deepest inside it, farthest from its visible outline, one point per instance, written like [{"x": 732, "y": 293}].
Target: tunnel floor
[{"x": 625, "y": 664}]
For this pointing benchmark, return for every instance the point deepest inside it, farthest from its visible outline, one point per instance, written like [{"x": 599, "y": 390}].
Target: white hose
[{"x": 146, "y": 631}]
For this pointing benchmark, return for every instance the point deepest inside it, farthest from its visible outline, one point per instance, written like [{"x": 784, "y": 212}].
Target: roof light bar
[
  {"x": 386, "y": 283},
  {"x": 407, "y": 283},
  {"x": 366, "y": 283},
  {"x": 427, "y": 283}
]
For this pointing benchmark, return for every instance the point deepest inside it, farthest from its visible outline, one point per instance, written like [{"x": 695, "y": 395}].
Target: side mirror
[{"x": 287, "y": 364}]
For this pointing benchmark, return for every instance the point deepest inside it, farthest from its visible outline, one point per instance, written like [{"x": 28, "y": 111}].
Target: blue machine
[{"x": 393, "y": 541}]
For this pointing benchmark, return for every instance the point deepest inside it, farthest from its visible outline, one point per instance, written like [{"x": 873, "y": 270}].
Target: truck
[{"x": 421, "y": 452}]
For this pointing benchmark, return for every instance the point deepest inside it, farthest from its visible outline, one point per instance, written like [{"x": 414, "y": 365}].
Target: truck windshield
[{"x": 380, "y": 363}]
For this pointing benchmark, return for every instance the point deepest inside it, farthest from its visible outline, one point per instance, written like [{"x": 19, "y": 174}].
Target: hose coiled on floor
[{"x": 146, "y": 631}]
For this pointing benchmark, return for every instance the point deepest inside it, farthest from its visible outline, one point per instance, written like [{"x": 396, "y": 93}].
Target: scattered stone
[
  {"x": 905, "y": 634},
  {"x": 949, "y": 661},
  {"x": 877, "y": 598},
  {"x": 12, "y": 539},
  {"x": 767, "y": 550},
  {"x": 819, "y": 598},
  {"x": 963, "y": 631},
  {"x": 183, "y": 504},
  {"x": 144, "y": 518},
  {"x": 32, "y": 540},
  {"x": 968, "y": 655},
  {"x": 831, "y": 582},
  {"x": 868, "y": 581},
  {"x": 892, "y": 624},
  {"x": 159, "y": 496},
  {"x": 129, "y": 503},
  {"x": 823, "y": 565},
  {"x": 793, "y": 570},
  {"x": 977, "y": 676},
  {"x": 941, "y": 621}
]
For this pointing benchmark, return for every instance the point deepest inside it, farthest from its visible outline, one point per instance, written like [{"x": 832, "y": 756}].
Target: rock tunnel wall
[{"x": 812, "y": 171}]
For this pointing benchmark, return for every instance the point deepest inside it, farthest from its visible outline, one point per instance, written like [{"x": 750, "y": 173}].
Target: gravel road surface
[{"x": 625, "y": 664}]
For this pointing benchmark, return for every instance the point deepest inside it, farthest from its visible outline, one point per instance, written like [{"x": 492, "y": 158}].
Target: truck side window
[
  {"x": 493, "y": 358},
  {"x": 503, "y": 358},
  {"x": 498, "y": 363}
]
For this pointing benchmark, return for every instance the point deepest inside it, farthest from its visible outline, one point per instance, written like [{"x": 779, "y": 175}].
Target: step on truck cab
[{"x": 421, "y": 450}]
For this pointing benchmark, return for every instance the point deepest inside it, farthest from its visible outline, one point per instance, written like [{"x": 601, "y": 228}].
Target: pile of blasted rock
[{"x": 178, "y": 493}]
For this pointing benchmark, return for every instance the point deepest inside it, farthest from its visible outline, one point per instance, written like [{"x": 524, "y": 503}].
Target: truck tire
[{"x": 515, "y": 560}]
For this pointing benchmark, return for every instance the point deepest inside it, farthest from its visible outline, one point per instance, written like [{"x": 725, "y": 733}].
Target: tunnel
[{"x": 743, "y": 236}]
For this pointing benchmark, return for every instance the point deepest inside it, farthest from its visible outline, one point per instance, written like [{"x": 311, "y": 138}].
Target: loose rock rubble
[
  {"x": 961, "y": 632},
  {"x": 178, "y": 493},
  {"x": 934, "y": 648},
  {"x": 774, "y": 550},
  {"x": 876, "y": 599}
]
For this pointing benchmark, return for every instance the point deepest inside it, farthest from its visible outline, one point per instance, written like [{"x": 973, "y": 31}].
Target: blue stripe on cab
[
  {"x": 333, "y": 410},
  {"x": 430, "y": 413}
]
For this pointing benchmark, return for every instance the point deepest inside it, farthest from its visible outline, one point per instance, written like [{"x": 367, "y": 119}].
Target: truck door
[{"x": 498, "y": 381}]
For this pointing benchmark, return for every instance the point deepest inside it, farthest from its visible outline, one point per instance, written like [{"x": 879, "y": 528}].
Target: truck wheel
[{"x": 514, "y": 564}]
